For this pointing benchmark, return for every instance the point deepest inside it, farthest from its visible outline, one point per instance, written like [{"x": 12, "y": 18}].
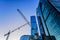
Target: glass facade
[
  {"x": 48, "y": 18},
  {"x": 42, "y": 31},
  {"x": 25, "y": 37},
  {"x": 34, "y": 28},
  {"x": 51, "y": 18},
  {"x": 56, "y": 3}
]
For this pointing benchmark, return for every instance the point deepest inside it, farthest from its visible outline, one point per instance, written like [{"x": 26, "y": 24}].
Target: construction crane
[
  {"x": 7, "y": 34},
  {"x": 23, "y": 17},
  {"x": 39, "y": 18}
]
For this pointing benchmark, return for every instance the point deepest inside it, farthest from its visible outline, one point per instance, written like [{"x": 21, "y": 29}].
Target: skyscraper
[{"x": 50, "y": 17}]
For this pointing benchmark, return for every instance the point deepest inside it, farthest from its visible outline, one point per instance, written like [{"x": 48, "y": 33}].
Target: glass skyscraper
[{"x": 50, "y": 17}]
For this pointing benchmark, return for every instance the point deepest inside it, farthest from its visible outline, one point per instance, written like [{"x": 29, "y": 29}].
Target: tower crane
[{"x": 7, "y": 34}]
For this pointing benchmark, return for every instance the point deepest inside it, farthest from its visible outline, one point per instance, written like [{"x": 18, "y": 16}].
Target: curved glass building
[{"x": 49, "y": 11}]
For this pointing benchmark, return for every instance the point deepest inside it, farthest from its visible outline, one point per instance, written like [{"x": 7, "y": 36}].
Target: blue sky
[{"x": 11, "y": 19}]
